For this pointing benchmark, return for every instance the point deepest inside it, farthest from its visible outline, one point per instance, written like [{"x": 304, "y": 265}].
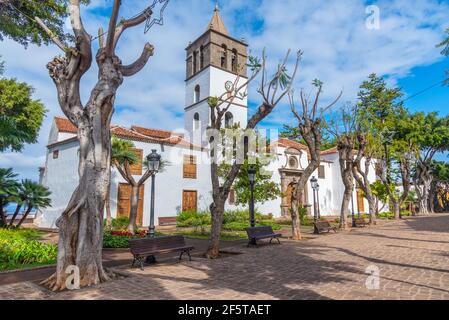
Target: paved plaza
[{"x": 412, "y": 257}]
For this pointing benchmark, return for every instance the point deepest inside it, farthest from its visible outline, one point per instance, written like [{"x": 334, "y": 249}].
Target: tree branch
[
  {"x": 138, "y": 65},
  {"x": 125, "y": 24},
  {"x": 112, "y": 28},
  {"x": 53, "y": 37}
]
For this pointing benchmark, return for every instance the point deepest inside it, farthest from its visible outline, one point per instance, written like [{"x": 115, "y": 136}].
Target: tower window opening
[
  {"x": 196, "y": 121},
  {"x": 195, "y": 62},
  {"x": 224, "y": 56},
  {"x": 201, "y": 57},
  {"x": 196, "y": 95},
  {"x": 229, "y": 120},
  {"x": 234, "y": 60}
]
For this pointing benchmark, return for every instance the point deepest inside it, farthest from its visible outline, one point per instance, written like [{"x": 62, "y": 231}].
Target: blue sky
[{"x": 338, "y": 49}]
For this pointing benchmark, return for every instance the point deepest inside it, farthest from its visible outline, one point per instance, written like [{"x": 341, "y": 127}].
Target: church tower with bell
[{"x": 213, "y": 62}]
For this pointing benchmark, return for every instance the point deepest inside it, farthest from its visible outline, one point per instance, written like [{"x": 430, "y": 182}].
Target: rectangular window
[
  {"x": 321, "y": 172},
  {"x": 56, "y": 154},
  {"x": 136, "y": 169},
  {"x": 189, "y": 167}
]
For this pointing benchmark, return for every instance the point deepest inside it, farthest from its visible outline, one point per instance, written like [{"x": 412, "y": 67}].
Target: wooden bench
[
  {"x": 167, "y": 221},
  {"x": 360, "y": 222},
  {"x": 321, "y": 226},
  {"x": 142, "y": 248},
  {"x": 258, "y": 233}
]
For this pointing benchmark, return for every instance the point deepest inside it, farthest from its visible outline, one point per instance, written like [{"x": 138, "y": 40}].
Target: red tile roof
[
  {"x": 135, "y": 133},
  {"x": 64, "y": 125},
  {"x": 329, "y": 151},
  {"x": 287, "y": 143}
]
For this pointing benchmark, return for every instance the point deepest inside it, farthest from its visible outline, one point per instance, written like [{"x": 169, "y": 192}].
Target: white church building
[{"x": 211, "y": 64}]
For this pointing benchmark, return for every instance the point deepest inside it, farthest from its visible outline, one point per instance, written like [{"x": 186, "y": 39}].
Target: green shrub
[
  {"x": 19, "y": 247},
  {"x": 110, "y": 241},
  {"x": 192, "y": 218},
  {"x": 284, "y": 222},
  {"x": 114, "y": 241},
  {"x": 406, "y": 213},
  {"x": 242, "y": 226},
  {"x": 243, "y": 216},
  {"x": 120, "y": 223}
]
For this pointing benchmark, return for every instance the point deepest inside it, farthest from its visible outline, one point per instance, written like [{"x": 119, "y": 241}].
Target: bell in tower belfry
[{"x": 213, "y": 63}]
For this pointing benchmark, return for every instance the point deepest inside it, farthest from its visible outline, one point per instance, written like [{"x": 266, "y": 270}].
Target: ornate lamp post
[
  {"x": 154, "y": 162},
  {"x": 353, "y": 210},
  {"x": 252, "y": 178},
  {"x": 318, "y": 201},
  {"x": 315, "y": 186}
]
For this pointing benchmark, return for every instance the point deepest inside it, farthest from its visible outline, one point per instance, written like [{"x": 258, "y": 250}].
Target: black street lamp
[
  {"x": 315, "y": 186},
  {"x": 252, "y": 178},
  {"x": 318, "y": 201},
  {"x": 154, "y": 162}
]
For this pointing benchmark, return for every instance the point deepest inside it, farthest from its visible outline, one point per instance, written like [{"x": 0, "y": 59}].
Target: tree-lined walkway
[{"x": 412, "y": 256}]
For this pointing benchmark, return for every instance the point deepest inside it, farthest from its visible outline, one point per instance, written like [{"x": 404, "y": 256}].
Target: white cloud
[{"x": 338, "y": 49}]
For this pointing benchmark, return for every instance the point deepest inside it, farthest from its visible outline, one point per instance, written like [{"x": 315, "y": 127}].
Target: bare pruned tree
[
  {"x": 342, "y": 126},
  {"x": 81, "y": 223},
  {"x": 310, "y": 119},
  {"x": 363, "y": 162},
  {"x": 272, "y": 91}
]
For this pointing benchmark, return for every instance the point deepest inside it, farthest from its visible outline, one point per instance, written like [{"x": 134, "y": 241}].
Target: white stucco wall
[{"x": 61, "y": 177}]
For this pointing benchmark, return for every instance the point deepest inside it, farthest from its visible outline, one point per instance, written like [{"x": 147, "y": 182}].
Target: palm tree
[
  {"x": 8, "y": 189},
  {"x": 123, "y": 158},
  {"x": 38, "y": 197},
  {"x": 23, "y": 194}
]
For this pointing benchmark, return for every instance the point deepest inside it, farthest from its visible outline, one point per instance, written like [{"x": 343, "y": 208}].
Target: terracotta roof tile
[
  {"x": 287, "y": 143},
  {"x": 154, "y": 132},
  {"x": 329, "y": 151},
  {"x": 135, "y": 133},
  {"x": 64, "y": 125}
]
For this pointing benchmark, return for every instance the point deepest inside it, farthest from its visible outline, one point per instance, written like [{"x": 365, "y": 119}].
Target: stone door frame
[{"x": 289, "y": 176}]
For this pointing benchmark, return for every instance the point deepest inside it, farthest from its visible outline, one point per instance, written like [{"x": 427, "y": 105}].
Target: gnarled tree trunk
[
  {"x": 362, "y": 176},
  {"x": 81, "y": 223},
  {"x": 217, "y": 212},
  {"x": 133, "y": 208},
  {"x": 345, "y": 151},
  {"x": 309, "y": 127},
  {"x": 272, "y": 93}
]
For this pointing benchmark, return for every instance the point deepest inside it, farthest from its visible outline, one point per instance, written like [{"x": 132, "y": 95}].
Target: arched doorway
[{"x": 288, "y": 180}]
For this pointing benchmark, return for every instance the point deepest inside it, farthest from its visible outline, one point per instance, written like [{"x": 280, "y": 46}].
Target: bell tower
[{"x": 213, "y": 63}]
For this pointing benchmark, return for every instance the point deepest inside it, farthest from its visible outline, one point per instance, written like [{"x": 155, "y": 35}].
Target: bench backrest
[
  {"x": 259, "y": 231},
  {"x": 157, "y": 243},
  {"x": 323, "y": 224}
]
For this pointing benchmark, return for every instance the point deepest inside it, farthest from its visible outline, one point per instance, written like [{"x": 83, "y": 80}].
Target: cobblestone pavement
[{"x": 412, "y": 256}]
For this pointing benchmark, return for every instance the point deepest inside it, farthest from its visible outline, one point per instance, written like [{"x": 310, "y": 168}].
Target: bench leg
[
  {"x": 188, "y": 253},
  {"x": 180, "y": 256},
  {"x": 252, "y": 242},
  {"x": 134, "y": 262},
  {"x": 140, "y": 260},
  {"x": 279, "y": 241}
]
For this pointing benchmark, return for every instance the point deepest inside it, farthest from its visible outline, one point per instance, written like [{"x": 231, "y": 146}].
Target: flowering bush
[{"x": 121, "y": 233}]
